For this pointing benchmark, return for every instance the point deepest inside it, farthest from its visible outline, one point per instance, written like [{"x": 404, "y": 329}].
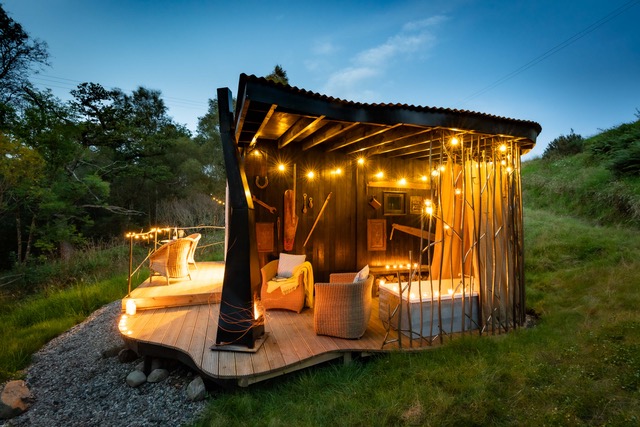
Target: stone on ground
[{"x": 15, "y": 399}]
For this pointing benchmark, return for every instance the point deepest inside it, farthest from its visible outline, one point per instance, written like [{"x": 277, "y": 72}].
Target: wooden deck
[
  {"x": 204, "y": 287},
  {"x": 187, "y": 333}
]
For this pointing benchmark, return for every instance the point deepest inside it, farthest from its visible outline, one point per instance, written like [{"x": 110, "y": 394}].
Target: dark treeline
[{"x": 96, "y": 166}]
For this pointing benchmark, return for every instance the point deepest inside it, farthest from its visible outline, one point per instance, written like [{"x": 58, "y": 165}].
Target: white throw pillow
[
  {"x": 362, "y": 274},
  {"x": 287, "y": 263}
]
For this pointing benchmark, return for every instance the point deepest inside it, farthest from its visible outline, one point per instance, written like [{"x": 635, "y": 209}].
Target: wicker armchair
[
  {"x": 170, "y": 260},
  {"x": 293, "y": 301},
  {"x": 192, "y": 250},
  {"x": 342, "y": 307}
]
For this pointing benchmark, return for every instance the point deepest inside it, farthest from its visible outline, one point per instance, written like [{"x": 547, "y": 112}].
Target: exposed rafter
[
  {"x": 302, "y": 125},
  {"x": 266, "y": 119}
]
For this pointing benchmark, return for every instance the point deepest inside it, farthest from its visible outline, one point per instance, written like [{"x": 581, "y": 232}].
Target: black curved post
[{"x": 237, "y": 324}]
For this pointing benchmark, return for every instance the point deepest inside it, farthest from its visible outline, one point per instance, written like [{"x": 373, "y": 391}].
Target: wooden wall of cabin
[{"x": 339, "y": 241}]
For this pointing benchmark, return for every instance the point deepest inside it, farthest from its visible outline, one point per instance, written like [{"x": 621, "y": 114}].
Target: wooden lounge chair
[
  {"x": 170, "y": 260},
  {"x": 192, "y": 250},
  {"x": 342, "y": 307},
  {"x": 293, "y": 301}
]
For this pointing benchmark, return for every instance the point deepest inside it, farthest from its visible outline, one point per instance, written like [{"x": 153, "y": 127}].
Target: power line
[{"x": 555, "y": 49}]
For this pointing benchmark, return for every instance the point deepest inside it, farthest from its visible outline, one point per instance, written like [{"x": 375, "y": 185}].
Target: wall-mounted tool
[
  {"x": 304, "y": 203},
  {"x": 270, "y": 208},
  {"x": 317, "y": 218}
]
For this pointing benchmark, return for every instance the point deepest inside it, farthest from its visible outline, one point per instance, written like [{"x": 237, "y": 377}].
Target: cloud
[
  {"x": 432, "y": 21},
  {"x": 350, "y": 81},
  {"x": 323, "y": 48}
]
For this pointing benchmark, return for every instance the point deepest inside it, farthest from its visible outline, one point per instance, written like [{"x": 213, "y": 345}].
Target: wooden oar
[
  {"x": 412, "y": 230},
  {"x": 318, "y": 218}
]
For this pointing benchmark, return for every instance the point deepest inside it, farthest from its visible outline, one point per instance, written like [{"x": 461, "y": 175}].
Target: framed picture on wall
[
  {"x": 394, "y": 203},
  {"x": 377, "y": 234},
  {"x": 415, "y": 204}
]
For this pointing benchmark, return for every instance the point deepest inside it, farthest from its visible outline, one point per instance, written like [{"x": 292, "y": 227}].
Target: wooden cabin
[{"x": 428, "y": 198}]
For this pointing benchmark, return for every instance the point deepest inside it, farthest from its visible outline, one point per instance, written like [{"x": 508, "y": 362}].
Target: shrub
[
  {"x": 564, "y": 145},
  {"x": 619, "y": 148}
]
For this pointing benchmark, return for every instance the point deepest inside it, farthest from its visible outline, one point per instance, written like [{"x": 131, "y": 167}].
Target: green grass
[
  {"x": 28, "y": 324},
  {"x": 580, "y": 365},
  {"x": 59, "y": 295}
]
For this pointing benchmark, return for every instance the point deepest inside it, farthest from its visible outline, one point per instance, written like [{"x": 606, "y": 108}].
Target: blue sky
[{"x": 564, "y": 64}]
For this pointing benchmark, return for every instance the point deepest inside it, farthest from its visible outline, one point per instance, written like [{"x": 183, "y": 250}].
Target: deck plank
[
  {"x": 147, "y": 333},
  {"x": 171, "y": 336},
  {"x": 210, "y": 357},
  {"x": 226, "y": 364},
  {"x": 171, "y": 321},
  {"x": 198, "y": 337},
  {"x": 188, "y": 326},
  {"x": 278, "y": 322}
]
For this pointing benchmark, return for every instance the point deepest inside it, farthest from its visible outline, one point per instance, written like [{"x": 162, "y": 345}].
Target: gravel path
[{"x": 77, "y": 380}]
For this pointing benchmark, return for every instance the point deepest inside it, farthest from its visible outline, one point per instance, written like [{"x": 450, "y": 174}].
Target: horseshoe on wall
[{"x": 262, "y": 186}]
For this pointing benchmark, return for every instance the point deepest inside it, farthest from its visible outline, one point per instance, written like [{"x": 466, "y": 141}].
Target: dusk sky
[{"x": 564, "y": 64}]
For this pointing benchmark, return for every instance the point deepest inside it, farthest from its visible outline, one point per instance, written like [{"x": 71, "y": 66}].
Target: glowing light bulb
[
  {"x": 423, "y": 177},
  {"x": 380, "y": 174},
  {"x": 361, "y": 160},
  {"x": 281, "y": 167},
  {"x": 455, "y": 141},
  {"x": 402, "y": 181},
  {"x": 503, "y": 148},
  {"x": 311, "y": 174}
]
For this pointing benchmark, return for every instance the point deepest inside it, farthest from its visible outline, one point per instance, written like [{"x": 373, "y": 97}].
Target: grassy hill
[{"x": 599, "y": 180}]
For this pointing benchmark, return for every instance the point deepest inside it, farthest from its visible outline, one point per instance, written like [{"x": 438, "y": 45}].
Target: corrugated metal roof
[{"x": 275, "y": 111}]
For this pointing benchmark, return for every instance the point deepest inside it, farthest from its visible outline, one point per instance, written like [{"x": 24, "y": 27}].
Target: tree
[
  {"x": 278, "y": 75},
  {"x": 20, "y": 56}
]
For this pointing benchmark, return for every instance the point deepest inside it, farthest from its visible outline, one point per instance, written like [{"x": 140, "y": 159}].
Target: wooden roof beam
[
  {"x": 360, "y": 133},
  {"x": 301, "y": 126},
  {"x": 386, "y": 138},
  {"x": 327, "y": 132},
  {"x": 264, "y": 122}
]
